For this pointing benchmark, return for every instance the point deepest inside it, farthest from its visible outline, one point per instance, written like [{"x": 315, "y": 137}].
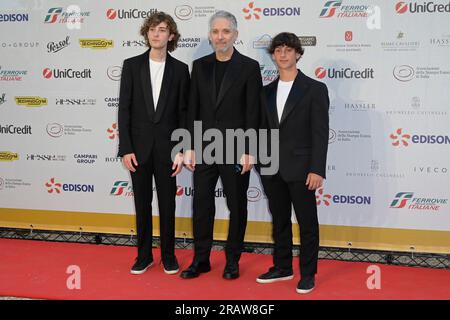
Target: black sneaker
[
  {"x": 305, "y": 285},
  {"x": 171, "y": 265},
  {"x": 140, "y": 266},
  {"x": 275, "y": 274}
]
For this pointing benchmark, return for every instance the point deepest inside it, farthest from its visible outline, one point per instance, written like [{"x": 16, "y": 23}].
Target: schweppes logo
[
  {"x": 31, "y": 101},
  {"x": 8, "y": 156},
  {"x": 96, "y": 43}
]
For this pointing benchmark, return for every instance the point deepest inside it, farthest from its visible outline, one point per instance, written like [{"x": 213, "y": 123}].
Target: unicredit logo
[
  {"x": 66, "y": 74},
  {"x": 426, "y": 7},
  {"x": 344, "y": 73},
  {"x": 401, "y": 7},
  {"x": 113, "y": 14}
]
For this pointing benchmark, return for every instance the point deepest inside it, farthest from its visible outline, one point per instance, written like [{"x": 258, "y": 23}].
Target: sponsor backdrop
[{"x": 385, "y": 64}]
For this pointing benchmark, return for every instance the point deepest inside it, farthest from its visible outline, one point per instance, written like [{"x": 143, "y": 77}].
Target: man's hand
[
  {"x": 247, "y": 161},
  {"x": 128, "y": 160},
  {"x": 313, "y": 181},
  {"x": 189, "y": 159},
  {"x": 177, "y": 164}
]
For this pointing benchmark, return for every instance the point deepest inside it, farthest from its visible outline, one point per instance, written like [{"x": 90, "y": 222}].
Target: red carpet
[{"x": 37, "y": 269}]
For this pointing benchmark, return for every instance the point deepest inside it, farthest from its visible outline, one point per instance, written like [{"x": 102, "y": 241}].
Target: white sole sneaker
[
  {"x": 302, "y": 291},
  {"x": 171, "y": 271},
  {"x": 141, "y": 271},
  {"x": 274, "y": 280}
]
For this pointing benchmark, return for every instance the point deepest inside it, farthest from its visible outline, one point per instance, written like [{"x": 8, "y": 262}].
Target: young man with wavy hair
[{"x": 153, "y": 101}]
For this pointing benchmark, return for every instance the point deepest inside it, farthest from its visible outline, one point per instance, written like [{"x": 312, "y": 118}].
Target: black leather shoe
[
  {"x": 275, "y": 274},
  {"x": 231, "y": 272},
  {"x": 195, "y": 269}
]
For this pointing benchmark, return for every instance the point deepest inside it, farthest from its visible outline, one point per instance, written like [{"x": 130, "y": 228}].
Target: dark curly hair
[
  {"x": 155, "y": 19},
  {"x": 287, "y": 39}
]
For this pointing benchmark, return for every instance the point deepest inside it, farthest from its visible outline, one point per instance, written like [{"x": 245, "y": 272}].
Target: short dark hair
[
  {"x": 156, "y": 18},
  {"x": 287, "y": 39}
]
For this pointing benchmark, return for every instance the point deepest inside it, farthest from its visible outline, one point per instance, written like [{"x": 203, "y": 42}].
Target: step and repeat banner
[{"x": 385, "y": 64}]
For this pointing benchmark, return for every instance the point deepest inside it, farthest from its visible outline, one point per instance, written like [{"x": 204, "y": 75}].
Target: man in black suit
[
  {"x": 225, "y": 89},
  {"x": 297, "y": 106},
  {"x": 153, "y": 102}
]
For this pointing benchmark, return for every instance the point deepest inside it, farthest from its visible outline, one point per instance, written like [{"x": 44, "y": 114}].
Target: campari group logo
[
  {"x": 425, "y": 7},
  {"x": 338, "y": 10},
  {"x": 328, "y": 199},
  {"x": 406, "y": 200},
  {"x": 400, "y": 138},
  {"x": 53, "y": 186},
  {"x": 122, "y": 188},
  {"x": 253, "y": 12}
]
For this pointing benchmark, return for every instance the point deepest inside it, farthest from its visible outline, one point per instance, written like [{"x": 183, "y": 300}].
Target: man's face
[
  {"x": 222, "y": 35},
  {"x": 159, "y": 36},
  {"x": 285, "y": 57}
]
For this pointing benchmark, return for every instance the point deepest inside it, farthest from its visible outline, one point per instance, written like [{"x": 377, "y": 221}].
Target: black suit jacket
[
  {"x": 141, "y": 128},
  {"x": 237, "y": 102},
  {"x": 303, "y": 127}
]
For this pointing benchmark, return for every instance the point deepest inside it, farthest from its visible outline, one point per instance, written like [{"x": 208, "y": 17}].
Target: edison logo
[
  {"x": 401, "y": 199},
  {"x": 53, "y": 186},
  {"x": 321, "y": 197},
  {"x": 399, "y": 138},
  {"x": 56, "y": 187},
  {"x": 113, "y": 131},
  {"x": 330, "y": 9},
  {"x": 254, "y": 12},
  {"x": 251, "y": 11}
]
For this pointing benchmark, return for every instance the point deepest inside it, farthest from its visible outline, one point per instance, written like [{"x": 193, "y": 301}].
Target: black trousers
[
  {"x": 143, "y": 196},
  {"x": 235, "y": 188},
  {"x": 281, "y": 196}
]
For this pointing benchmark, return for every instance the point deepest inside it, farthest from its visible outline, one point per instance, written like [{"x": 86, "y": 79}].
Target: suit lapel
[
  {"x": 231, "y": 74},
  {"x": 297, "y": 93},
  {"x": 165, "y": 88},
  {"x": 146, "y": 84},
  {"x": 272, "y": 111}
]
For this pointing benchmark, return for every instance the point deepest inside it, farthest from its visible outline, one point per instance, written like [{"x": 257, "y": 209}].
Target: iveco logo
[
  {"x": 114, "y": 73},
  {"x": 404, "y": 73},
  {"x": 184, "y": 12},
  {"x": 55, "y": 130}
]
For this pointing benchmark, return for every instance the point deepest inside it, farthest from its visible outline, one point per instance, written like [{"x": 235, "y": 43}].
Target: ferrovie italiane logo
[
  {"x": 407, "y": 200},
  {"x": 401, "y": 138},
  {"x": 402, "y": 7},
  {"x": 71, "y": 15},
  {"x": 122, "y": 188},
  {"x": 338, "y": 10},
  {"x": 253, "y": 12}
]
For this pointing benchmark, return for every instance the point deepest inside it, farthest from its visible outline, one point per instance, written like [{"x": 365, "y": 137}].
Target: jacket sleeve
[
  {"x": 125, "y": 100},
  {"x": 253, "y": 98},
  {"x": 320, "y": 130}
]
